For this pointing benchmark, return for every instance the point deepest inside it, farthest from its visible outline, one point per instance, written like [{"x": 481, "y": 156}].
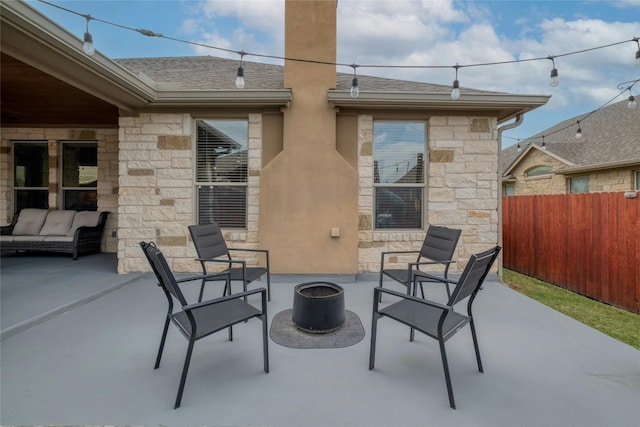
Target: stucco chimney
[{"x": 308, "y": 195}]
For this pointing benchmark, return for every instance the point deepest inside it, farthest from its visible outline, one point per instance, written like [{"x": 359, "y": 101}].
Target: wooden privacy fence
[{"x": 587, "y": 243}]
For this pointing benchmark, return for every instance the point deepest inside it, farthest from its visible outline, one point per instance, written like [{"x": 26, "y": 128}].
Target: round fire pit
[{"x": 318, "y": 307}]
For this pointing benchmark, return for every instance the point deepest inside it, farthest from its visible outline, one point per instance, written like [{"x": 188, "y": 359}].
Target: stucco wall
[
  {"x": 461, "y": 190},
  {"x": 107, "y": 140}
]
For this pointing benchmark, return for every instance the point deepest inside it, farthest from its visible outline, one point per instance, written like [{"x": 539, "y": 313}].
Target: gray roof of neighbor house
[
  {"x": 610, "y": 138},
  {"x": 213, "y": 73}
]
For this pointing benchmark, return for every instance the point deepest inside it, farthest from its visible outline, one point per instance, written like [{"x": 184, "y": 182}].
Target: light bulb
[
  {"x": 355, "y": 91},
  {"x": 519, "y": 149},
  {"x": 579, "y": 133},
  {"x": 632, "y": 102},
  {"x": 555, "y": 81},
  {"x": 544, "y": 145},
  {"x": 638, "y": 58},
  {"x": 240, "y": 78},
  {"x": 87, "y": 47},
  {"x": 455, "y": 93}
]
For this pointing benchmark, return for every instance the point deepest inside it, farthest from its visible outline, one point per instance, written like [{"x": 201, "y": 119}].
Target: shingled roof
[
  {"x": 610, "y": 138},
  {"x": 213, "y": 73}
]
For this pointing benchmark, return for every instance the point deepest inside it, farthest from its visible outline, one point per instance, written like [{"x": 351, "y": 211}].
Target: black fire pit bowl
[{"x": 318, "y": 307}]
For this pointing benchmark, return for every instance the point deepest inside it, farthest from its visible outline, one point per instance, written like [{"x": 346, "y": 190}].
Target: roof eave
[
  {"x": 506, "y": 106},
  {"x": 571, "y": 170},
  {"x": 32, "y": 38},
  {"x": 217, "y": 98}
]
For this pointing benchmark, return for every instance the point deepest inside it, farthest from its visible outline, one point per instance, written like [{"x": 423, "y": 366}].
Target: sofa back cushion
[
  {"x": 29, "y": 222},
  {"x": 84, "y": 219},
  {"x": 57, "y": 223}
]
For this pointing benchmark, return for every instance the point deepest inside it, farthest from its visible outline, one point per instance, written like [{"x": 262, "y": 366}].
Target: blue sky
[{"x": 403, "y": 32}]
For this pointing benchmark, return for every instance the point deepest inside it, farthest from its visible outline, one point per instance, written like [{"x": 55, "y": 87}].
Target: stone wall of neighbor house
[
  {"x": 107, "y": 140},
  {"x": 157, "y": 198},
  {"x": 545, "y": 184},
  {"x": 618, "y": 179},
  {"x": 621, "y": 179},
  {"x": 461, "y": 190}
]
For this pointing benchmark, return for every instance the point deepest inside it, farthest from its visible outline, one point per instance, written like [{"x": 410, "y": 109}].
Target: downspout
[{"x": 501, "y": 129}]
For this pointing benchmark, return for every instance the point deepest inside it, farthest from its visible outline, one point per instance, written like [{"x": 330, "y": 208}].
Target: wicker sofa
[{"x": 64, "y": 231}]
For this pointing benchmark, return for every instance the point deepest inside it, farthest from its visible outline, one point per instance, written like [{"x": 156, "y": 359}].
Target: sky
[{"x": 406, "y": 33}]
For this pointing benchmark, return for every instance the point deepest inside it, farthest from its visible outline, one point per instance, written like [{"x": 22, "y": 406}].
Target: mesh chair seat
[{"x": 214, "y": 318}]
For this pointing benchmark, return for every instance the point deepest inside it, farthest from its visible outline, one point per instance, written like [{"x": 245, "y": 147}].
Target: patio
[{"x": 79, "y": 342}]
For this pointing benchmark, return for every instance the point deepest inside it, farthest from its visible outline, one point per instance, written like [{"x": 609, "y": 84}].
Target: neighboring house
[
  {"x": 291, "y": 162},
  {"x": 605, "y": 158}
]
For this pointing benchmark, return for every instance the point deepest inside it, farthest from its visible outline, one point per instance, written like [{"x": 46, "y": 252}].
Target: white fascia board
[{"x": 570, "y": 170}]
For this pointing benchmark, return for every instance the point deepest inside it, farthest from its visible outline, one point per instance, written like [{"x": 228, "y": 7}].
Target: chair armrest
[
  {"x": 264, "y": 251},
  {"x": 382, "y": 255},
  {"x": 197, "y": 305},
  {"x": 222, "y": 261},
  {"x": 421, "y": 274},
  {"x": 434, "y": 304},
  {"x": 202, "y": 276}
]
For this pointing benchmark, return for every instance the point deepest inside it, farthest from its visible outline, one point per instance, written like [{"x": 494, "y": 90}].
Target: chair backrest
[
  {"x": 440, "y": 243},
  {"x": 208, "y": 240},
  {"x": 162, "y": 271},
  {"x": 474, "y": 274}
]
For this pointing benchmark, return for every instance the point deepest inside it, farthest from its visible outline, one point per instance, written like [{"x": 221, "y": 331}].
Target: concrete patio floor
[{"x": 79, "y": 343}]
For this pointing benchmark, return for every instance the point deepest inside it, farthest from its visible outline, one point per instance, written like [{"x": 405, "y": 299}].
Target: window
[
  {"x": 31, "y": 175},
  {"x": 509, "y": 189},
  {"x": 80, "y": 175},
  {"x": 398, "y": 162},
  {"x": 221, "y": 172},
  {"x": 539, "y": 171},
  {"x": 637, "y": 185},
  {"x": 579, "y": 184}
]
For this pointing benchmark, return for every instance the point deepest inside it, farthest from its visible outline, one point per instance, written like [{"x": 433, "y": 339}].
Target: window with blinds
[
  {"x": 399, "y": 174},
  {"x": 31, "y": 175},
  {"x": 221, "y": 172},
  {"x": 80, "y": 175}
]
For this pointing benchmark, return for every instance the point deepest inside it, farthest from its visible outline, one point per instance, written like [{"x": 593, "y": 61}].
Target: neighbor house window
[
  {"x": 579, "y": 184},
  {"x": 509, "y": 189},
  {"x": 221, "y": 172},
  {"x": 539, "y": 171},
  {"x": 398, "y": 161},
  {"x": 31, "y": 175},
  {"x": 80, "y": 175}
]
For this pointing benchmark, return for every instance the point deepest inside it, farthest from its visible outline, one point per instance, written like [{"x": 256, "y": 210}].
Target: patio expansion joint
[{"x": 41, "y": 318}]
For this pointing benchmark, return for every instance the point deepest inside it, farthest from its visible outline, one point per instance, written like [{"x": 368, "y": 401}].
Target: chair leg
[
  {"x": 268, "y": 286},
  {"x": 374, "y": 331},
  {"x": 265, "y": 342},
  {"x": 162, "y": 341},
  {"x": 185, "y": 369},
  {"x": 447, "y": 377},
  {"x": 201, "y": 290},
  {"x": 475, "y": 345},
  {"x": 230, "y": 333}
]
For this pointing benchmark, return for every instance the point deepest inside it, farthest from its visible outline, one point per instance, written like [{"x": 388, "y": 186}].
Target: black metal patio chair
[
  {"x": 212, "y": 248},
  {"x": 437, "y": 248},
  {"x": 199, "y": 320},
  {"x": 437, "y": 320}
]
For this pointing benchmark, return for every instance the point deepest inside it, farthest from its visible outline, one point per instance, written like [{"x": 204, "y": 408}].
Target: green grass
[{"x": 619, "y": 324}]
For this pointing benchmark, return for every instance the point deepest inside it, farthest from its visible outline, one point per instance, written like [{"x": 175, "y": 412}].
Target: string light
[
  {"x": 555, "y": 81},
  {"x": 579, "y": 131},
  {"x": 544, "y": 145},
  {"x": 519, "y": 148},
  {"x": 240, "y": 74},
  {"x": 87, "y": 47},
  {"x": 455, "y": 92},
  {"x": 632, "y": 101},
  {"x": 637, "y": 52},
  {"x": 355, "y": 91}
]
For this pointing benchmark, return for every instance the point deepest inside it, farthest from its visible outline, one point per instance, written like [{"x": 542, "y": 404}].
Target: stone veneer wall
[
  {"x": 461, "y": 190},
  {"x": 157, "y": 200},
  {"x": 107, "y": 140}
]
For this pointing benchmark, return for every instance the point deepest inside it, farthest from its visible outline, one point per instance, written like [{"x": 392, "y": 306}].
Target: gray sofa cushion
[
  {"x": 29, "y": 222},
  {"x": 84, "y": 219},
  {"x": 57, "y": 223}
]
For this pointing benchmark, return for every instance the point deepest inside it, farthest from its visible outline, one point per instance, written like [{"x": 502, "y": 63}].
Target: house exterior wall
[
  {"x": 157, "y": 197},
  {"x": 606, "y": 180},
  {"x": 107, "y": 140},
  {"x": 461, "y": 191}
]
